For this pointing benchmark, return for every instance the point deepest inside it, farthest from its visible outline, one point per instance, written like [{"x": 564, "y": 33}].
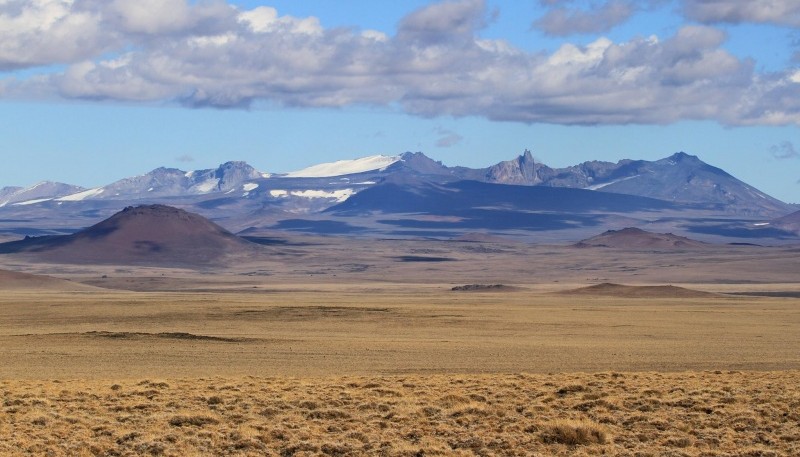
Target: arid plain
[{"x": 361, "y": 347}]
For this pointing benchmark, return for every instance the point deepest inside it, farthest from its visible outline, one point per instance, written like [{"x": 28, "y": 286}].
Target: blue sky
[{"x": 91, "y": 92}]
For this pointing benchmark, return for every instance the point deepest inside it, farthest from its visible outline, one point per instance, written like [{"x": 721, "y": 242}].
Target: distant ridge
[
  {"x": 789, "y": 223},
  {"x": 622, "y": 291},
  {"x": 14, "y": 280},
  {"x": 148, "y": 234},
  {"x": 635, "y": 238}
]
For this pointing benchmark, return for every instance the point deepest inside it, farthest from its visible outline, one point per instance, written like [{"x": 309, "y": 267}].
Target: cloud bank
[{"x": 211, "y": 54}]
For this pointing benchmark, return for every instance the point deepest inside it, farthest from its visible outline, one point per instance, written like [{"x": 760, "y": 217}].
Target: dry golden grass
[
  {"x": 378, "y": 328},
  {"x": 625, "y": 414},
  {"x": 366, "y": 367}
]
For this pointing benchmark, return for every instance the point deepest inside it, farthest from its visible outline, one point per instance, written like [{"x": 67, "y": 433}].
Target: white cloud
[
  {"x": 436, "y": 63},
  {"x": 43, "y": 32},
  {"x": 265, "y": 19},
  {"x": 150, "y": 16}
]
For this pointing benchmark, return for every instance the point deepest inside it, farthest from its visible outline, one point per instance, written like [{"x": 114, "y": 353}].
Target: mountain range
[{"x": 339, "y": 197}]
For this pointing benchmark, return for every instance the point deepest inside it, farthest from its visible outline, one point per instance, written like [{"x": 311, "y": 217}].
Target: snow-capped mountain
[
  {"x": 239, "y": 196},
  {"x": 37, "y": 193},
  {"x": 345, "y": 167},
  {"x": 172, "y": 182}
]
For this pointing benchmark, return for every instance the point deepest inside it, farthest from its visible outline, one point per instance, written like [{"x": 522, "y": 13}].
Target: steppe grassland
[
  {"x": 88, "y": 373},
  {"x": 609, "y": 413},
  {"x": 365, "y": 329}
]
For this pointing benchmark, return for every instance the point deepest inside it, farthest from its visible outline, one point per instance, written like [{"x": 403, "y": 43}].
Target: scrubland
[{"x": 710, "y": 413}]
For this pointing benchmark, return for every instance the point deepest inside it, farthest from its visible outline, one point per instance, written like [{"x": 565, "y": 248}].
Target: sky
[{"x": 92, "y": 91}]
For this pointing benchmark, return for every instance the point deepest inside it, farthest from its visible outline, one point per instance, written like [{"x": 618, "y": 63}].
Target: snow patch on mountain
[
  {"x": 278, "y": 193},
  {"x": 82, "y": 195},
  {"x": 207, "y": 185},
  {"x": 32, "y": 202},
  {"x": 605, "y": 184},
  {"x": 250, "y": 186},
  {"x": 340, "y": 195},
  {"x": 345, "y": 167}
]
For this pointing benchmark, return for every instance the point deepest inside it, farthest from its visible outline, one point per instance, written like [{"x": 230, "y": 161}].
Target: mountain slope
[
  {"x": 426, "y": 197},
  {"x": 682, "y": 177},
  {"x": 470, "y": 205}
]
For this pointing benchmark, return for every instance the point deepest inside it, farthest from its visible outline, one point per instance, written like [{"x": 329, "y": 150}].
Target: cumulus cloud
[
  {"x": 598, "y": 18},
  {"x": 448, "y": 138},
  {"x": 435, "y": 64},
  {"x": 785, "y": 150},
  {"x": 783, "y": 12},
  {"x": 43, "y": 32}
]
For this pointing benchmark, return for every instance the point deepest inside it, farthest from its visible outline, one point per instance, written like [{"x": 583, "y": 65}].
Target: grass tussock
[
  {"x": 574, "y": 432},
  {"x": 694, "y": 414}
]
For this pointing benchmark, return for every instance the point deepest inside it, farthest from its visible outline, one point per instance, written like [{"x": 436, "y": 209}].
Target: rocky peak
[
  {"x": 231, "y": 174},
  {"x": 521, "y": 170},
  {"x": 421, "y": 163}
]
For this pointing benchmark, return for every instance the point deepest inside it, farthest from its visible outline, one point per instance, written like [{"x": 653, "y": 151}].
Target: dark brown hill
[
  {"x": 607, "y": 289},
  {"x": 634, "y": 238},
  {"x": 152, "y": 235}
]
